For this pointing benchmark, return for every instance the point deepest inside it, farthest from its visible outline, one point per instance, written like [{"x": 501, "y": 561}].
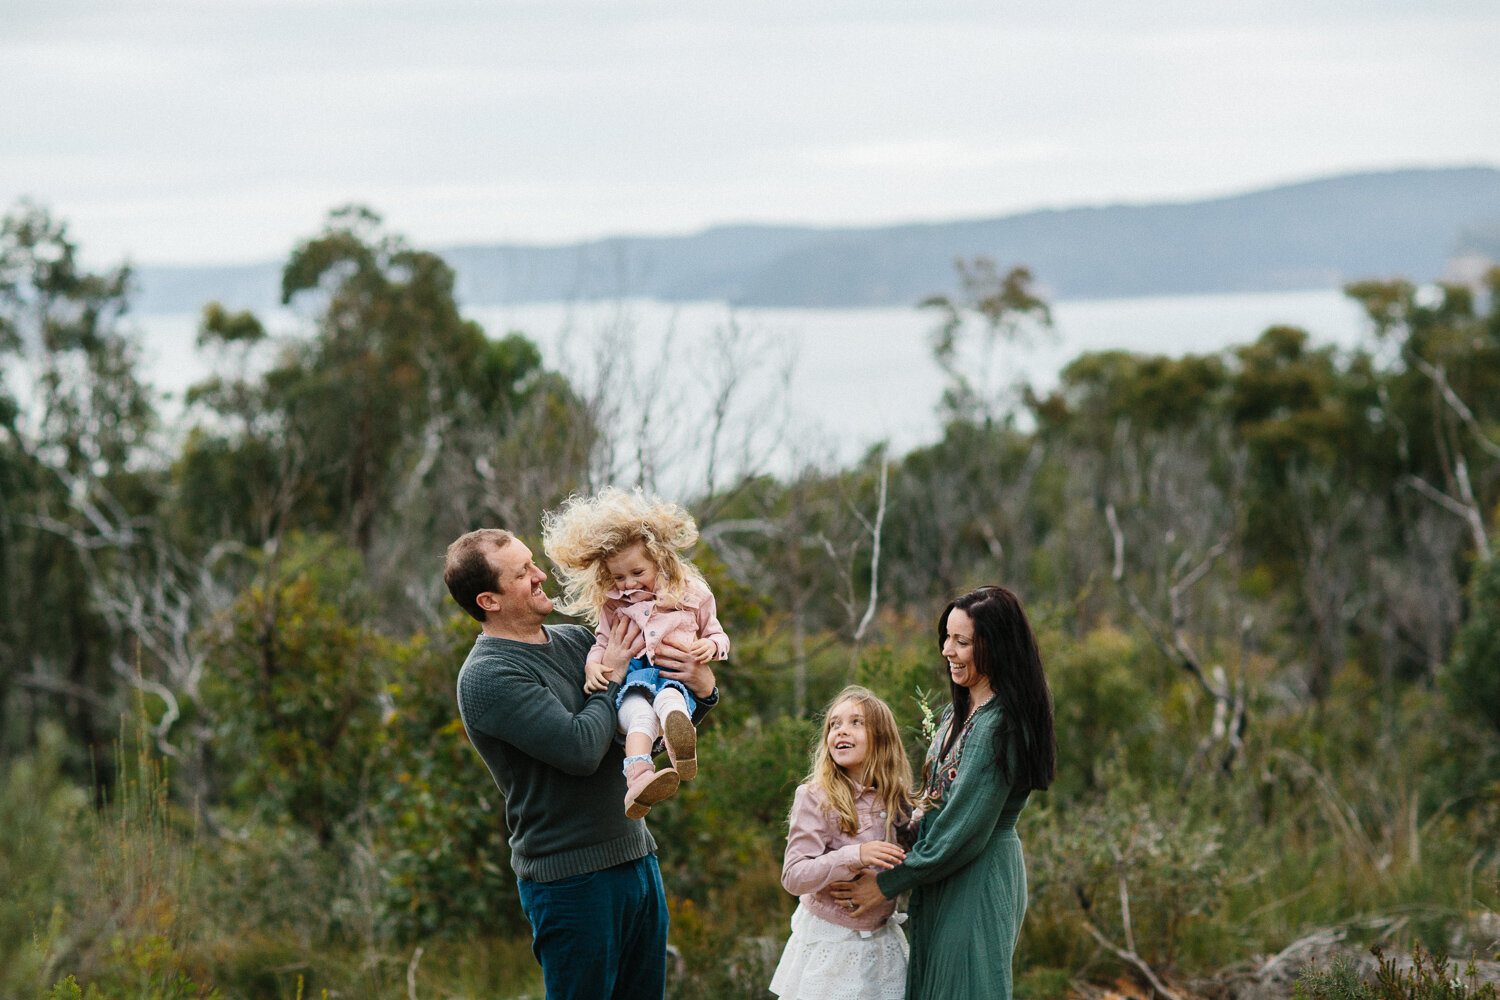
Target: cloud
[{"x": 191, "y": 130}]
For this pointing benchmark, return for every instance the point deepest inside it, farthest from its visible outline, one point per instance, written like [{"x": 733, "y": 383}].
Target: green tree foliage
[
  {"x": 1008, "y": 309},
  {"x": 296, "y": 686},
  {"x": 442, "y": 839},
  {"x": 75, "y": 422},
  {"x": 397, "y": 424},
  {"x": 391, "y": 365},
  {"x": 1100, "y": 391},
  {"x": 1107, "y": 698},
  {"x": 391, "y": 360},
  {"x": 1474, "y": 679}
]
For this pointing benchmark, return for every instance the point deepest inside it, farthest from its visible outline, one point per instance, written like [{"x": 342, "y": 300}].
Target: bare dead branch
[
  {"x": 1118, "y": 574},
  {"x": 1132, "y": 959},
  {"x": 1175, "y": 648},
  {"x": 38, "y": 682},
  {"x": 1229, "y": 719},
  {"x": 869, "y": 615},
  {"x": 1295, "y": 955},
  {"x": 1439, "y": 376},
  {"x": 1124, "y": 899},
  {"x": 411, "y": 974},
  {"x": 1469, "y": 512}
]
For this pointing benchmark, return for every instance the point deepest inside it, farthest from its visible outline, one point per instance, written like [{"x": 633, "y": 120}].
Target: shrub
[
  {"x": 1428, "y": 977},
  {"x": 43, "y": 823}
]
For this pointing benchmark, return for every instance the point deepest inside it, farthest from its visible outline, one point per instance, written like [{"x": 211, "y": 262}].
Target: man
[{"x": 588, "y": 877}]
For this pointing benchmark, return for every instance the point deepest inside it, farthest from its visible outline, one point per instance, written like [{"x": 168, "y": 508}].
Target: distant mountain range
[{"x": 1319, "y": 234}]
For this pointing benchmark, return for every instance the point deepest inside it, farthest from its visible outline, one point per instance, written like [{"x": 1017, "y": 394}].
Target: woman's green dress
[{"x": 966, "y": 873}]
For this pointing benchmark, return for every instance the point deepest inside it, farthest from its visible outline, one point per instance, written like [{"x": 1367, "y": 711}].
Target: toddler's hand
[
  {"x": 704, "y": 650},
  {"x": 595, "y": 677},
  {"x": 880, "y": 854}
]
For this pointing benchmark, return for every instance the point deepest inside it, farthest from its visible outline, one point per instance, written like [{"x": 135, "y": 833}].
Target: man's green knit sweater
[{"x": 552, "y": 751}]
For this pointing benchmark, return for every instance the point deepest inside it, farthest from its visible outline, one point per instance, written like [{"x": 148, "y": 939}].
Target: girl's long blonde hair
[
  {"x": 886, "y": 767},
  {"x": 585, "y": 532}
]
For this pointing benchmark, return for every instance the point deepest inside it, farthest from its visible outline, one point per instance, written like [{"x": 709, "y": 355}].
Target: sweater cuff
[
  {"x": 704, "y": 704},
  {"x": 891, "y": 882}
]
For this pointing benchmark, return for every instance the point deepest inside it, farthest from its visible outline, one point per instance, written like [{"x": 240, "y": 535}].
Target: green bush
[
  {"x": 1428, "y": 977},
  {"x": 436, "y": 818},
  {"x": 296, "y": 688},
  {"x": 1109, "y": 706},
  {"x": 43, "y": 825},
  {"x": 1146, "y": 871},
  {"x": 1472, "y": 680}
]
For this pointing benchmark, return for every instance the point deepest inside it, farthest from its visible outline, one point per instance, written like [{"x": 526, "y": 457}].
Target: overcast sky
[{"x": 223, "y": 130}]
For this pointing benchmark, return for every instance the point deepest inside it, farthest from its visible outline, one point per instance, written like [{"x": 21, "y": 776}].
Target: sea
[{"x": 790, "y": 388}]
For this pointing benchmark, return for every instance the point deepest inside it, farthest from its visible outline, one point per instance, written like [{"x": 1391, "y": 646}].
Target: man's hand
[
  {"x": 625, "y": 641},
  {"x": 595, "y": 677},
  {"x": 680, "y": 663},
  {"x": 704, "y": 650}
]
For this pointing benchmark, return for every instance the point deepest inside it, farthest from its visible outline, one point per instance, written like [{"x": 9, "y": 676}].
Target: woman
[{"x": 994, "y": 745}]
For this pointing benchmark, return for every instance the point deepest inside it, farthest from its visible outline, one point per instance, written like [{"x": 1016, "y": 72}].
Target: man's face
[{"x": 518, "y": 583}]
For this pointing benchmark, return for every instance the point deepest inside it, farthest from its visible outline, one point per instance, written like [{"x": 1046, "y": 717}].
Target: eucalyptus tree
[
  {"x": 396, "y": 423},
  {"x": 75, "y": 426}
]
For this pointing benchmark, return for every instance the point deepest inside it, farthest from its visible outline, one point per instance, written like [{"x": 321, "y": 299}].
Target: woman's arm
[{"x": 963, "y": 825}]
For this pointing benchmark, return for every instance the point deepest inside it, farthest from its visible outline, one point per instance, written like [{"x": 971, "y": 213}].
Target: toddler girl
[
  {"x": 847, "y": 816},
  {"x": 617, "y": 555}
]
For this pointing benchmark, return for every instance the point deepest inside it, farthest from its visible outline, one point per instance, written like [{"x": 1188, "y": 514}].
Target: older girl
[{"x": 846, "y": 818}]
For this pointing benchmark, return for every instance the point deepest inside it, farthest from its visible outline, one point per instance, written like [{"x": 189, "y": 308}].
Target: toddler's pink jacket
[{"x": 694, "y": 617}]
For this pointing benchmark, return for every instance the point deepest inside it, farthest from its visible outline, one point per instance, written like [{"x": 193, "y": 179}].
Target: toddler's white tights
[{"x": 640, "y": 714}]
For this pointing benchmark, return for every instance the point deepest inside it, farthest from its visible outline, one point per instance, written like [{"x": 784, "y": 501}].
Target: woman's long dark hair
[{"x": 1005, "y": 651}]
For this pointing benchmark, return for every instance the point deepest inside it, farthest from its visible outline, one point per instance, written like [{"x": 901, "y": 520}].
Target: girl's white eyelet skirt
[{"x": 823, "y": 961}]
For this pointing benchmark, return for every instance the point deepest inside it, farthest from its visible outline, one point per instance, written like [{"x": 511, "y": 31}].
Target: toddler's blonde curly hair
[{"x": 586, "y": 531}]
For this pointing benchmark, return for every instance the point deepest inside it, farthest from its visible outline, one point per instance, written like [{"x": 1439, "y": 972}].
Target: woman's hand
[
  {"x": 880, "y": 854},
  {"x": 858, "y": 897}
]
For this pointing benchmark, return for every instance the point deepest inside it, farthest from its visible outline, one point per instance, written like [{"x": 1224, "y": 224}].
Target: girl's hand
[
  {"x": 704, "y": 650},
  {"x": 594, "y": 677},
  {"x": 880, "y": 854}
]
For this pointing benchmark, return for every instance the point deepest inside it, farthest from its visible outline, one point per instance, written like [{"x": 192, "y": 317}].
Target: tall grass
[{"x": 41, "y": 817}]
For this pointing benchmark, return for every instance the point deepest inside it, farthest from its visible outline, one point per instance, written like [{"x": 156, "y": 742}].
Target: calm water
[{"x": 832, "y": 382}]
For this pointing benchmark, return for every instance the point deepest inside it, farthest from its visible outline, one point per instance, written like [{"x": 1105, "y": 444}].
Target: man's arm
[
  {"x": 530, "y": 717},
  {"x": 676, "y": 662}
]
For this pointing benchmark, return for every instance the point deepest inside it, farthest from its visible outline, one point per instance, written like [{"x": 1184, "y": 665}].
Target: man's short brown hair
[{"x": 468, "y": 571}]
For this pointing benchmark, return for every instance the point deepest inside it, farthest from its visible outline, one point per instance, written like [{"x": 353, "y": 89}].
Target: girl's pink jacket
[
  {"x": 694, "y": 617},
  {"x": 818, "y": 853}
]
